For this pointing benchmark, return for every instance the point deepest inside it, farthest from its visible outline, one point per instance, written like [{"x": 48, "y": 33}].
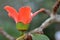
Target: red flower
[{"x": 23, "y": 15}]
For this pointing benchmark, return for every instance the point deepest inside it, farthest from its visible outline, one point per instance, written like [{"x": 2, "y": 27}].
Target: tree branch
[
  {"x": 6, "y": 34},
  {"x": 43, "y": 25},
  {"x": 56, "y": 6}
]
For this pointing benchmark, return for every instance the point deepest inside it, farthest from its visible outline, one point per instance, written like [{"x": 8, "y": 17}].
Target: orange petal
[
  {"x": 25, "y": 14},
  {"x": 41, "y": 10},
  {"x": 11, "y": 12}
]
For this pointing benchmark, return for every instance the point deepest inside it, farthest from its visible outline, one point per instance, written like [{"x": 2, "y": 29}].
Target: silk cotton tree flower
[{"x": 23, "y": 17}]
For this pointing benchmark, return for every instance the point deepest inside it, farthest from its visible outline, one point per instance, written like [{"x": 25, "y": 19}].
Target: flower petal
[
  {"x": 37, "y": 12},
  {"x": 11, "y": 12},
  {"x": 25, "y": 14}
]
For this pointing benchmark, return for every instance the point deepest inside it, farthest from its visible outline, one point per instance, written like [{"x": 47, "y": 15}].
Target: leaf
[{"x": 39, "y": 37}]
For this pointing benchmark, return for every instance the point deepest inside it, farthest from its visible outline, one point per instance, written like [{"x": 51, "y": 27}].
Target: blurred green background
[{"x": 9, "y": 25}]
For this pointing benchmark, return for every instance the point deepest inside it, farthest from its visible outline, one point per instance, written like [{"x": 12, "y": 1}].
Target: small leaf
[{"x": 39, "y": 37}]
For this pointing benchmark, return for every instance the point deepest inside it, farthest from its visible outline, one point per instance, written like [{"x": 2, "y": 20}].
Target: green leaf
[{"x": 39, "y": 37}]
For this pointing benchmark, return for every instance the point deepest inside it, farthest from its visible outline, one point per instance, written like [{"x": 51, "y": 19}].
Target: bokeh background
[{"x": 9, "y": 25}]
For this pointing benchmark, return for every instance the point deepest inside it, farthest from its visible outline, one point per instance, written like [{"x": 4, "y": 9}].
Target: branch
[
  {"x": 56, "y": 6},
  {"x": 6, "y": 34},
  {"x": 44, "y": 25}
]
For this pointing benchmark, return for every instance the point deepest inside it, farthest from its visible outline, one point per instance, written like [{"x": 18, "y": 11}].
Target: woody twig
[{"x": 6, "y": 34}]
